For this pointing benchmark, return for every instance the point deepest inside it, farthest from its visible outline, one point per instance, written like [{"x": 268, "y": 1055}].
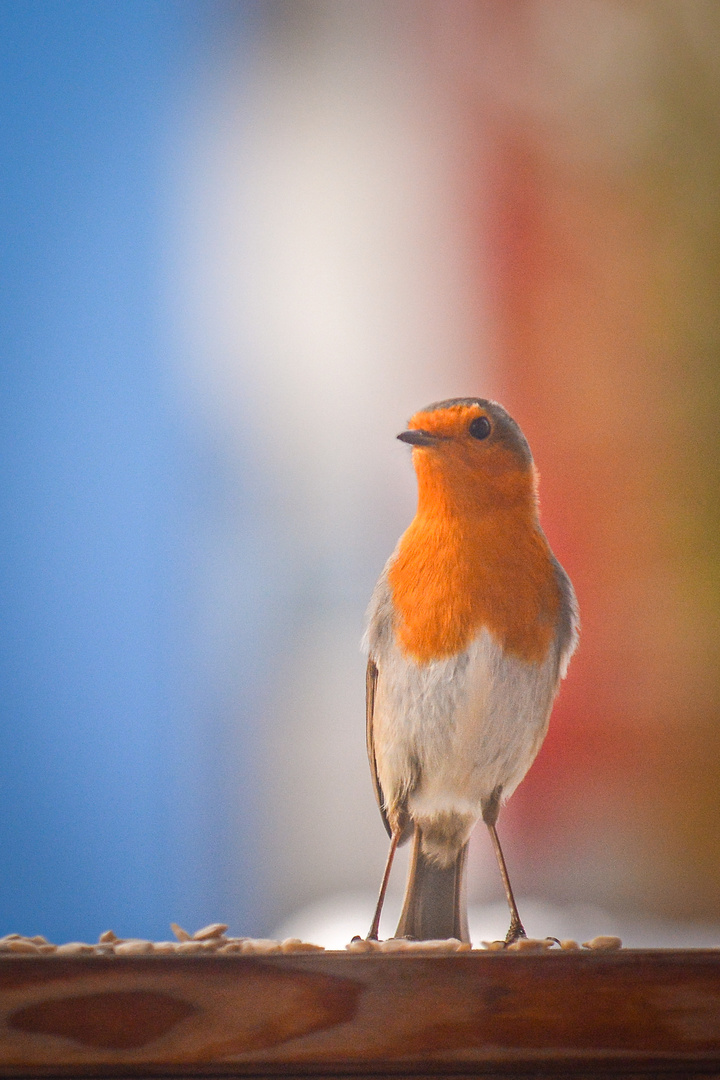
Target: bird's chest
[
  {"x": 464, "y": 724},
  {"x": 452, "y": 579}
]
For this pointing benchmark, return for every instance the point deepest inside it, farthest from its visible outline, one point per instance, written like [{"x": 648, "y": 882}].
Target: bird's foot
[{"x": 516, "y": 931}]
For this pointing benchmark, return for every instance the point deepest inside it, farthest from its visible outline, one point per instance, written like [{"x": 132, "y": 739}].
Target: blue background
[{"x": 113, "y": 797}]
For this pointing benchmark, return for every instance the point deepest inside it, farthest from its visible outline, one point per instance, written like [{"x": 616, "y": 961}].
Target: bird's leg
[
  {"x": 375, "y": 926},
  {"x": 517, "y": 930},
  {"x": 491, "y": 808}
]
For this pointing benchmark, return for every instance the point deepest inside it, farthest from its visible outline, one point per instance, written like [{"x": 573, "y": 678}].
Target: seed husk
[
  {"x": 75, "y": 948},
  {"x": 214, "y": 930},
  {"x": 440, "y": 945},
  {"x": 133, "y": 947},
  {"x": 392, "y": 945},
  {"x": 290, "y": 945},
  {"x": 603, "y": 943},
  {"x": 363, "y": 945},
  {"x": 530, "y": 945},
  {"x": 189, "y": 946},
  {"x": 261, "y": 945},
  {"x": 19, "y": 945}
]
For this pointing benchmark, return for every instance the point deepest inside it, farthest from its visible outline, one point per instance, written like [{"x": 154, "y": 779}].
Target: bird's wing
[{"x": 371, "y": 678}]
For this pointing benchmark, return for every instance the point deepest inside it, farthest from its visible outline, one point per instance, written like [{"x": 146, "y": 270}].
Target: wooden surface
[{"x": 628, "y": 1013}]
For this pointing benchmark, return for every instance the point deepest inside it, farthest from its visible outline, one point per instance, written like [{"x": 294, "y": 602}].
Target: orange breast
[{"x": 457, "y": 574}]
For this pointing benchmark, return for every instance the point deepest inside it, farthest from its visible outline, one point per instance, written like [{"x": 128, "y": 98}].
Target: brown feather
[
  {"x": 402, "y": 822},
  {"x": 371, "y": 676}
]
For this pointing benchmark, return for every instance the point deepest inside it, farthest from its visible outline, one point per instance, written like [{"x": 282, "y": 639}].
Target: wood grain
[{"x": 561, "y": 1014}]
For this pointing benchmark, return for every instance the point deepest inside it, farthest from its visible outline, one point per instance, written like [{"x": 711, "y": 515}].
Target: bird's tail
[{"x": 435, "y": 897}]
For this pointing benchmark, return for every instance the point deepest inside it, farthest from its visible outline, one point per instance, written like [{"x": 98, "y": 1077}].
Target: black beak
[{"x": 417, "y": 437}]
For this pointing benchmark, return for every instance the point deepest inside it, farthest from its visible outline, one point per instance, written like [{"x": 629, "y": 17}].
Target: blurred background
[{"x": 242, "y": 242}]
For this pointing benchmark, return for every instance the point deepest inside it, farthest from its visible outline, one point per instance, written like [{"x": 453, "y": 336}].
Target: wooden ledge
[{"x": 561, "y": 1014}]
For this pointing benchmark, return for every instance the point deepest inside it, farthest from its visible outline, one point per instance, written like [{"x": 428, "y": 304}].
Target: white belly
[{"x": 448, "y": 733}]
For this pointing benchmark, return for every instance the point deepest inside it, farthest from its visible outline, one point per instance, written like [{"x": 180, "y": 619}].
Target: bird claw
[{"x": 516, "y": 931}]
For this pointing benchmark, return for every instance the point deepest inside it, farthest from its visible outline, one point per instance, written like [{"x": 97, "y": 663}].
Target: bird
[{"x": 470, "y": 630}]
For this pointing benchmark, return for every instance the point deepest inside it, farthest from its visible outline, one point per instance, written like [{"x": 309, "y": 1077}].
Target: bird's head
[{"x": 470, "y": 452}]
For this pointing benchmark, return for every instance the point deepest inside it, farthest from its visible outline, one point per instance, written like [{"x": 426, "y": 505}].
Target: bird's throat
[{"x": 456, "y": 574}]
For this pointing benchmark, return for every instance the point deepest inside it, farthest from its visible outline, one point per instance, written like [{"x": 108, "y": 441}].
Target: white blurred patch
[{"x": 332, "y": 290}]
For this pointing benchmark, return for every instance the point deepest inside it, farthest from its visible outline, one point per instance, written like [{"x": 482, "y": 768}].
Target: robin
[{"x": 470, "y": 630}]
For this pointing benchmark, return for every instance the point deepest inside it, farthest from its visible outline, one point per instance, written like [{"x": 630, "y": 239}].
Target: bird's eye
[{"x": 480, "y": 427}]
